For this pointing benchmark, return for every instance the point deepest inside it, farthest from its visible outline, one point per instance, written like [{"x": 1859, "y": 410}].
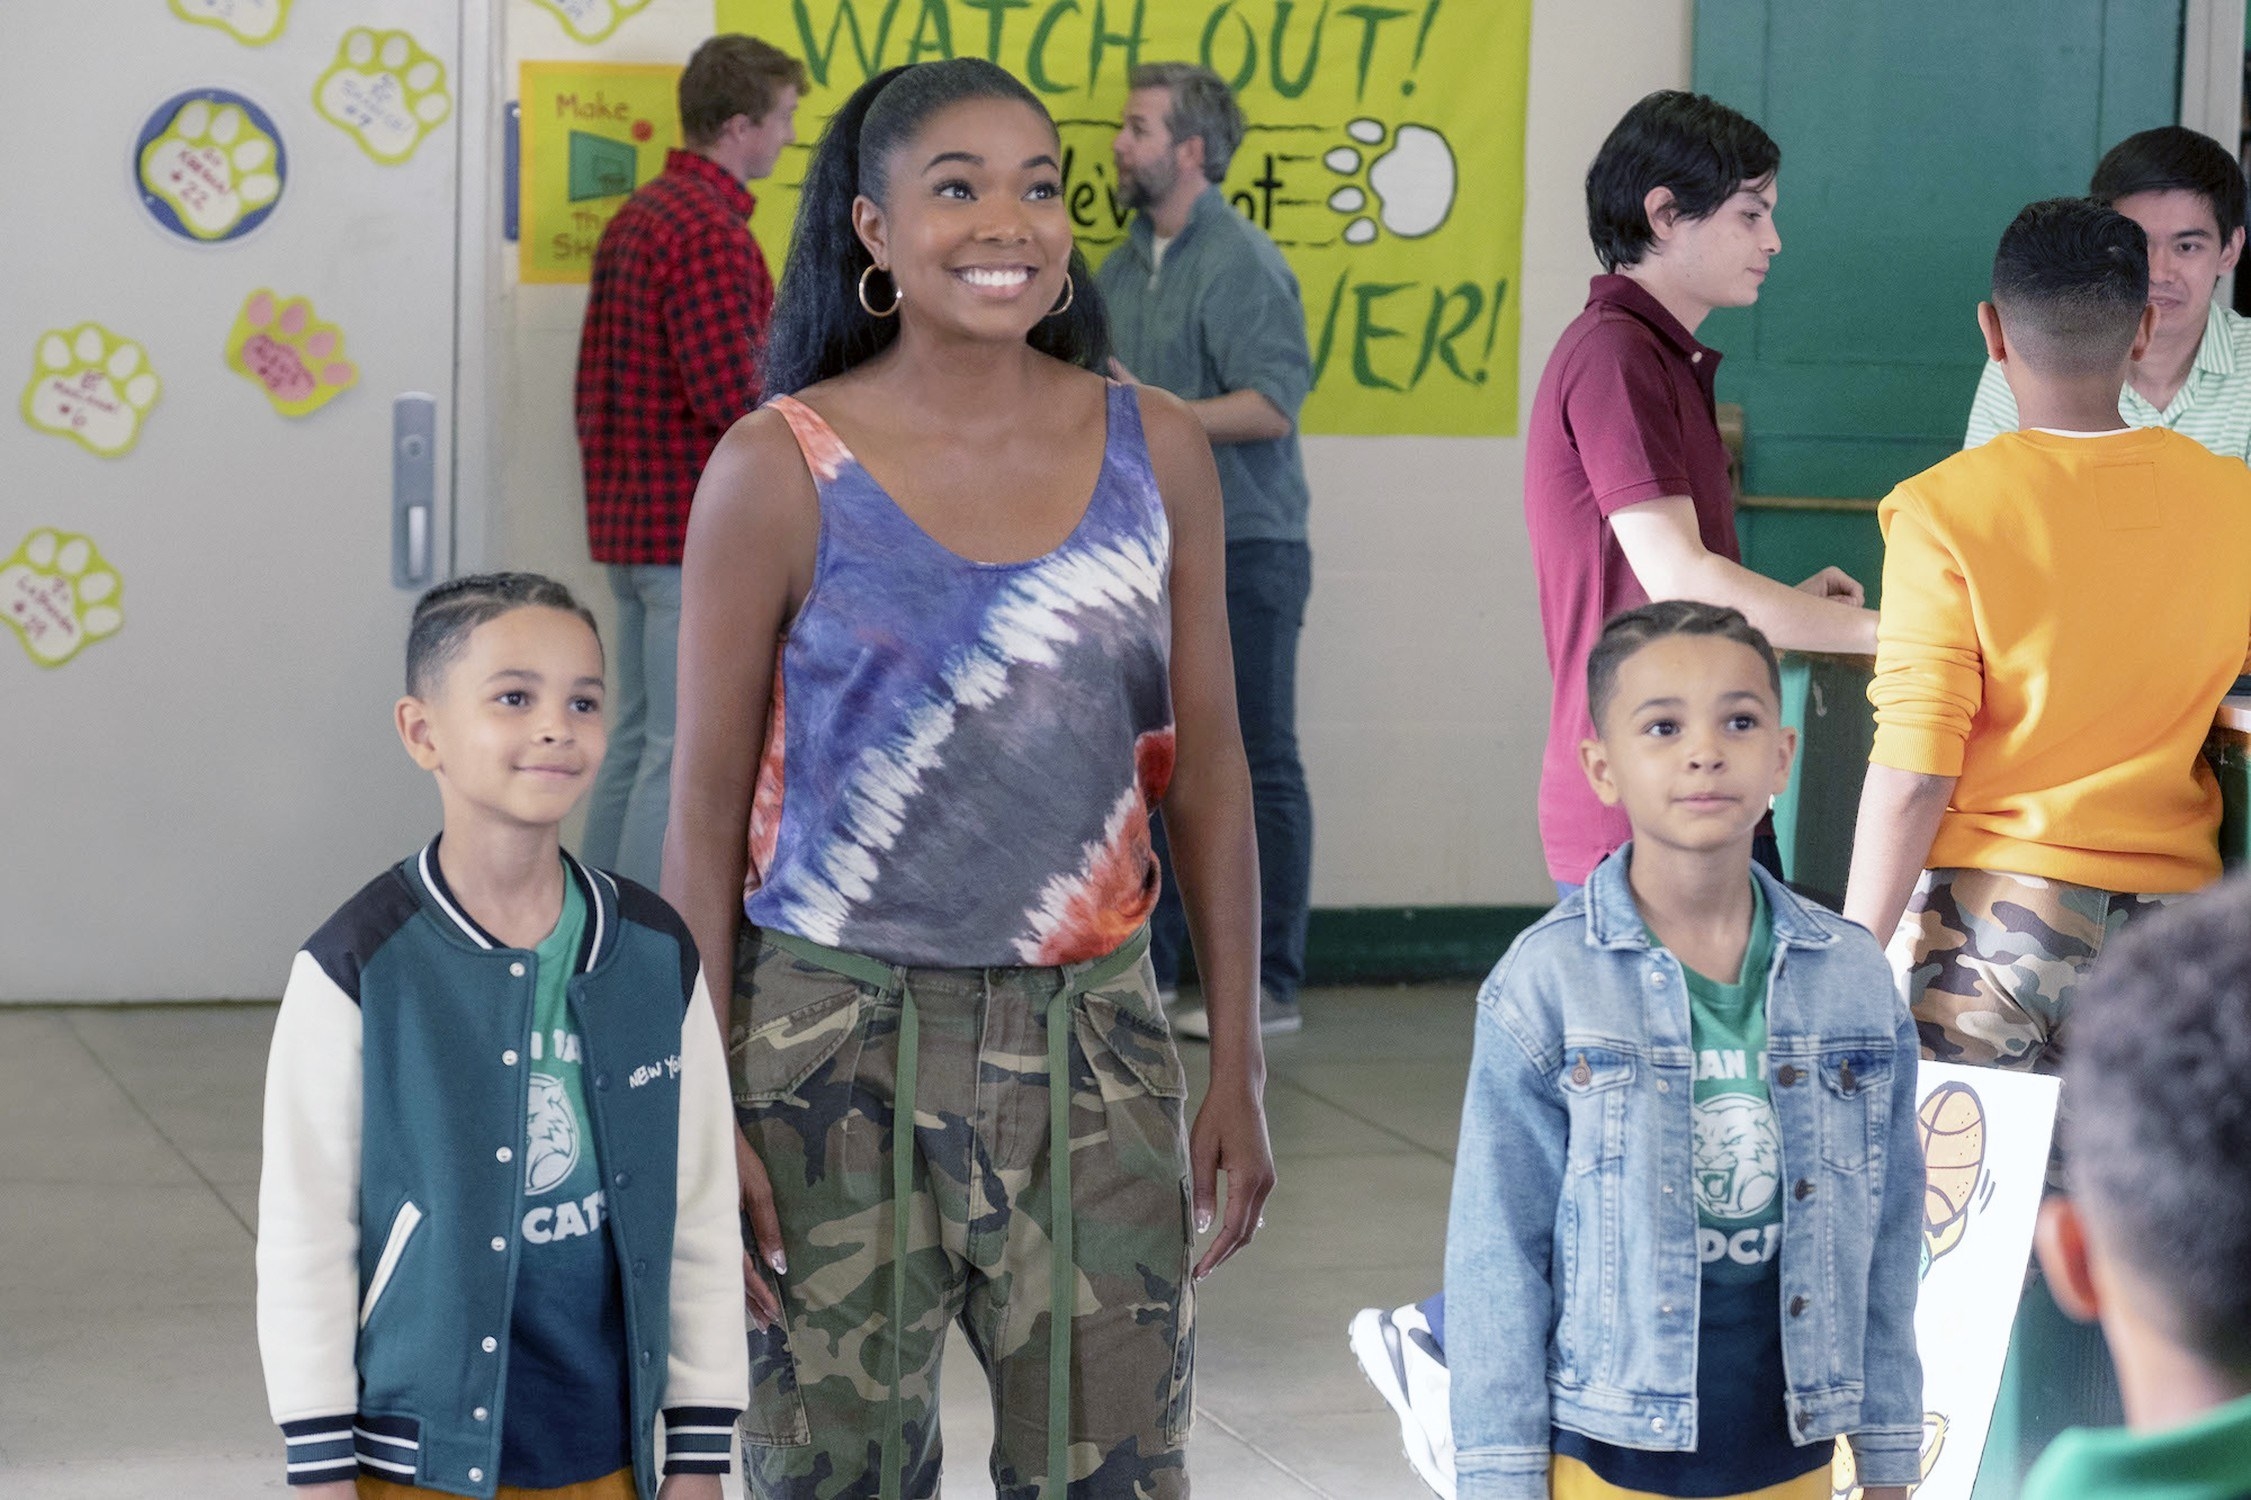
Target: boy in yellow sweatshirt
[{"x": 2064, "y": 608}]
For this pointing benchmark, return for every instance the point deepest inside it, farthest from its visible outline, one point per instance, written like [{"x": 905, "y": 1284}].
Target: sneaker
[
  {"x": 1408, "y": 1369},
  {"x": 1274, "y": 1019}
]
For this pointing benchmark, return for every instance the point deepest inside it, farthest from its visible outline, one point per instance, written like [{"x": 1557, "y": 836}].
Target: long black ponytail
[{"x": 819, "y": 330}]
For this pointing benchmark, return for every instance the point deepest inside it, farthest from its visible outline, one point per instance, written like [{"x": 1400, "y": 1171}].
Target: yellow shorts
[
  {"x": 618, "y": 1486},
  {"x": 1569, "y": 1479}
]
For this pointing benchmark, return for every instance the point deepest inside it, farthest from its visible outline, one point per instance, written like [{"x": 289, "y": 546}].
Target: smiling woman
[
  {"x": 825, "y": 326},
  {"x": 953, "y": 630}
]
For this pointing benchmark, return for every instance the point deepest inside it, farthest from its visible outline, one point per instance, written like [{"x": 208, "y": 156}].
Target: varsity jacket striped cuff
[
  {"x": 698, "y": 1439},
  {"x": 320, "y": 1449}
]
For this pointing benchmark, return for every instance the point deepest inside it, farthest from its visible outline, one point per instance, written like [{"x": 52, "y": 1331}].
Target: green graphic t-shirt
[
  {"x": 1738, "y": 1146},
  {"x": 566, "y": 1419},
  {"x": 1743, "y": 1438}
]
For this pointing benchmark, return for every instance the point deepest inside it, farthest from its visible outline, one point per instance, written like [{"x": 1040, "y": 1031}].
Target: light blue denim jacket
[{"x": 1572, "y": 1276}]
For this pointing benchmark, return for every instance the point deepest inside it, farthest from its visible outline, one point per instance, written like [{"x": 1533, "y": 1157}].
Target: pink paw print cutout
[{"x": 297, "y": 360}]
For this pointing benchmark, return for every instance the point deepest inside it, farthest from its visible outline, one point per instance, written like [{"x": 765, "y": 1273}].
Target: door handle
[{"x": 414, "y": 489}]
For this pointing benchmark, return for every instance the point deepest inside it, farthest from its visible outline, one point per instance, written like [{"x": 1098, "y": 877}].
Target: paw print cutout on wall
[
  {"x": 592, "y": 20},
  {"x": 211, "y": 166},
  {"x": 1412, "y": 185},
  {"x": 250, "y": 22},
  {"x": 59, "y": 597},
  {"x": 282, "y": 346},
  {"x": 91, "y": 386},
  {"x": 385, "y": 91}
]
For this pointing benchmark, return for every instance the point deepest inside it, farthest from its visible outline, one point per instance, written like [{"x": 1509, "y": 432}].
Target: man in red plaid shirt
[{"x": 675, "y": 322}]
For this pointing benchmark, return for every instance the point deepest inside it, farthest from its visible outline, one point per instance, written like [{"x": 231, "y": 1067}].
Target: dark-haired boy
[
  {"x": 676, "y": 315},
  {"x": 2186, "y": 191},
  {"x": 2064, "y": 608},
  {"x": 2155, "y": 1235},
  {"x": 1627, "y": 499},
  {"x": 1663, "y": 1064},
  {"x": 497, "y": 1229}
]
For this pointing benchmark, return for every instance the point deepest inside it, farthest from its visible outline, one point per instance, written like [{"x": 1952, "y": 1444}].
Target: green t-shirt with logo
[
  {"x": 1738, "y": 1144},
  {"x": 566, "y": 1419},
  {"x": 1744, "y": 1442}
]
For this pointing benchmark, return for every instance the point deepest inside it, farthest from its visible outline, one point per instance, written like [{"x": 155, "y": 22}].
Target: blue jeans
[
  {"x": 633, "y": 794},
  {"x": 1267, "y": 585}
]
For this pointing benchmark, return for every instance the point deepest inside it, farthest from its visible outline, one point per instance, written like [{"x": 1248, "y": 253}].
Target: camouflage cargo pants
[
  {"x": 1991, "y": 963},
  {"x": 817, "y": 1059}
]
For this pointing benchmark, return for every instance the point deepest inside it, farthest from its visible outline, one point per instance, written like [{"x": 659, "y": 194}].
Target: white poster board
[{"x": 1985, "y": 1137}]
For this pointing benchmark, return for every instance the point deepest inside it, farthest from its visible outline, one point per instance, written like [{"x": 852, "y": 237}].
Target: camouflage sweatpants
[
  {"x": 1991, "y": 962},
  {"x": 815, "y": 1058}
]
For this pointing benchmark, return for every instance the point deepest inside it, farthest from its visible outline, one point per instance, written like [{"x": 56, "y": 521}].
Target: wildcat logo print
[{"x": 552, "y": 1137}]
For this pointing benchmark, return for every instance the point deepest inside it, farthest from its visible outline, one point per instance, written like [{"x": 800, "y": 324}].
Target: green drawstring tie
[{"x": 1062, "y": 1304}]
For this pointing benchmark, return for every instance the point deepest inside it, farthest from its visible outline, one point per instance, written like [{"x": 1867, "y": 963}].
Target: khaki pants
[
  {"x": 618, "y": 1486},
  {"x": 1569, "y": 1479}
]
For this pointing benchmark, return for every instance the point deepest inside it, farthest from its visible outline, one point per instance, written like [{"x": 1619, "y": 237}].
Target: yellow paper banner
[
  {"x": 590, "y": 133},
  {"x": 1385, "y": 156}
]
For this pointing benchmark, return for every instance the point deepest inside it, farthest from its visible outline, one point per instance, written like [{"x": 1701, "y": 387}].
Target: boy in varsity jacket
[{"x": 497, "y": 1218}]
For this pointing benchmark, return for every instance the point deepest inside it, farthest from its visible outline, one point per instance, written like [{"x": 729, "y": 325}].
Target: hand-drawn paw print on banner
[
  {"x": 1409, "y": 188},
  {"x": 91, "y": 386},
  {"x": 59, "y": 597},
  {"x": 211, "y": 165},
  {"x": 296, "y": 359},
  {"x": 385, "y": 91},
  {"x": 250, "y": 22},
  {"x": 592, "y": 20}
]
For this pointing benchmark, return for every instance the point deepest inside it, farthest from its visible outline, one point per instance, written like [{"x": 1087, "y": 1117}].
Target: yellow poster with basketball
[
  {"x": 1984, "y": 1136},
  {"x": 590, "y": 133},
  {"x": 1385, "y": 156}
]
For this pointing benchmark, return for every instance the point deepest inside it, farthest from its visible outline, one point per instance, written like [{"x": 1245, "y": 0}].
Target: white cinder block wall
[{"x": 1423, "y": 688}]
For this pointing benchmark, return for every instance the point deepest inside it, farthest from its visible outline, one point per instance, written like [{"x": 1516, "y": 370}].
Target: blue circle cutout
[{"x": 163, "y": 209}]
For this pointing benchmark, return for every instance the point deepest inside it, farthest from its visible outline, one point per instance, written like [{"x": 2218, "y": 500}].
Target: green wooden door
[{"x": 1911, "y": 134}]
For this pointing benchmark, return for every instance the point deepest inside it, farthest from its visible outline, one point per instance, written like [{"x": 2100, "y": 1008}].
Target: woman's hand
[
  {"x": 766, "y": 1234},
  {"x": 1230, "y": 1136}
]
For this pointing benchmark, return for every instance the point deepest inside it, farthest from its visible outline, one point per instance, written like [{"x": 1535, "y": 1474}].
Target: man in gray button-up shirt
[{"x": 1202, "y": 304}]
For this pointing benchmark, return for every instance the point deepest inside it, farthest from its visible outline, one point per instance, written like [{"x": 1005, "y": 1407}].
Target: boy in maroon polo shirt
[
  {"x": 1627, "y": 499},
  {"x": 668, "y": 359}
]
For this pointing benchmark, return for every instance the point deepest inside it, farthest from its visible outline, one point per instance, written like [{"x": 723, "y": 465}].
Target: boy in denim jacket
[{"x": 1683, "y": 1252}]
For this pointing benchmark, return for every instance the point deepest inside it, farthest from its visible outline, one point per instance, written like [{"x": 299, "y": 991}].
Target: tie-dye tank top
[{"x": 962, "y": 757}]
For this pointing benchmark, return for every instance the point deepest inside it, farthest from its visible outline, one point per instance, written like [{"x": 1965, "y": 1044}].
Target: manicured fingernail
[
  {"x": 779, "y": 1262},
  {"x": 1203, "y": 1220}
]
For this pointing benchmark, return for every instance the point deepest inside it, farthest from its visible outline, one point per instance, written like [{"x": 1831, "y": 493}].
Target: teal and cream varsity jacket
[{"x": 392, "y": 1205}]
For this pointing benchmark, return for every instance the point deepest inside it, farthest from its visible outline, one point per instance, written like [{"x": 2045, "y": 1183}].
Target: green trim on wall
[{"x": 1390, "y": 944}]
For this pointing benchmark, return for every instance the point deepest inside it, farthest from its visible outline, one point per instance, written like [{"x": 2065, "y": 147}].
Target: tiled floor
[{"x": 129, "y": 1364}]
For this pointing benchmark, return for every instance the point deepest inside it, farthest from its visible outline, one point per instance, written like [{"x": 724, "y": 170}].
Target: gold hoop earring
[
  {"x": 1070, "y": 294},
  {"x": 868, "y": 307}
]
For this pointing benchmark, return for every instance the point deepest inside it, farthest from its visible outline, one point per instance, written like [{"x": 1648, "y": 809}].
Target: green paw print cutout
[
  {"x": 296, "y": 359},
  {"x": 59, "y": 597},
  {"x": 213, "y": 167},
  {"x": 251, "y": 22},
  {"x": 1411, "y": 185},
  {"x": 592, "y": 20},
  {"x": 385, "y": 91},
  {"x": 91, "y": 386}
]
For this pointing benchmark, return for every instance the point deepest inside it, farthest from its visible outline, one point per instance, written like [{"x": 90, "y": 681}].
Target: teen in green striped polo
[{"x": 2186, "y": 191}]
